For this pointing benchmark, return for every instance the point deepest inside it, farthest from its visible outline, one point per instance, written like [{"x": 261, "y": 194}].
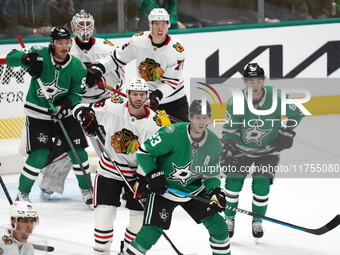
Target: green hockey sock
[
  {"x": 147, "y": 236},
  {"x": 33, "y": 165},
  {"x": 82, "y": 183},
  {"x": 261, "y": 186}
]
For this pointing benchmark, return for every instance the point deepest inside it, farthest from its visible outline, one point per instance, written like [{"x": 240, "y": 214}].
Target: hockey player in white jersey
[
  {"x": 23, "y": 218},
  {"x": 159, "y": 61},
  {"x": 88, "y": 49},
  {"x": 128, "y": 123}
]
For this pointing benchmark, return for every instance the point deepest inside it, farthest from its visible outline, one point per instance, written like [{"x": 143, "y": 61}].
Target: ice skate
[
  {"x": 87, "y": 197},
  {"x": 231, "y": 226},
  {"x": 257, "y": 230},
  {"x": 46, "y": 194},
  {"x": 23, "y": 197}
]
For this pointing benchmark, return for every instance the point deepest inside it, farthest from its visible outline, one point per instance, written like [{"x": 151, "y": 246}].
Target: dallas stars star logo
[
  {"x": 52, "y": 89},
  {"x": 182, "y": 174},
  {"x": 42, "y": 138},
  {"x": 254, "y": 134}
]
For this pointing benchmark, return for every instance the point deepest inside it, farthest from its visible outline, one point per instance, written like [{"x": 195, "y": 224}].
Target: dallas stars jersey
[
  {"x": 252, "y": 131},
  {"x": 160, "y": 67},
  {"x": 8, "y": 246},
  {"x": 124, "y": 135},
  {"x": 101, "y": 48},
  {"x": 60, "y": 81},
  {"x": 188, "y": 166}
]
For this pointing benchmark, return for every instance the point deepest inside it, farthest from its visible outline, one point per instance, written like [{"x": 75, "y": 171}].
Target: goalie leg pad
[
  {"x": 52, "y": 177},
  {"x": 104, "y": 216}
]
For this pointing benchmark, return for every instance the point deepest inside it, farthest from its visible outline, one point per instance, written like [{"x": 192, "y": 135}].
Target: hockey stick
[
  {"x": 35, "y": 246},
  {"x": 65, "y": 134},
  {"x": 5, "y": 190},
  {"x": 319, "y": 231},
  {"x": 99, "y": 140},
  {"x": 256, "y": 151},
  {"x": 112, "y": 89},
  {"x": 168, "y": 116}
]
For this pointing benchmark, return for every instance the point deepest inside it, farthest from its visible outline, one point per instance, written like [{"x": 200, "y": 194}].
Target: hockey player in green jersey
[
  {"x": 243, "y": 133},
  {"x": 184, "y": 156},
  {"x": 64, "y": 77}
]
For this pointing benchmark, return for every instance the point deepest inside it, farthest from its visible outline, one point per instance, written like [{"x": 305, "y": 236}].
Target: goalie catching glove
[
  {"x": 156, "y": 181},
  {"x": 89, "y": 121},
  {"x": 284, "y": 139},
  {"x": 217, "y": 200},
  {"x": 34, "y": 62}
]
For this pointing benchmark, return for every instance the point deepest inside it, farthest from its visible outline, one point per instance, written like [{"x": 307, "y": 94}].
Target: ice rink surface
[{"x": 302, "y": 197}]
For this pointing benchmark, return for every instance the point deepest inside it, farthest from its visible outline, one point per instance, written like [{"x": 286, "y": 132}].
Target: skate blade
[
  {"x": 257, "y": 240},
  {"x": 45, "y": 195}
]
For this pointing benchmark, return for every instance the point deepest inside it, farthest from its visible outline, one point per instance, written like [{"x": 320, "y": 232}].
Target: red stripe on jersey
[
  {"x": 112, "y": 167},
  {"x": 171, "y": 82}
]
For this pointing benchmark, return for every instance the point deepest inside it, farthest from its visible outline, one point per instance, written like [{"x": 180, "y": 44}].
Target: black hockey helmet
[
  {"x": 196, "y": 108},
  {"x": 59, "y": 33},
  {"x": 253, "y": 70}
]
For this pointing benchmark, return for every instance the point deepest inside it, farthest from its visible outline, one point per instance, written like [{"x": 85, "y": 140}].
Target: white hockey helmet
[
  {"x": 82, "y": 25},
  {"x": 159, "y": 14},
  {"x": 137, "y": 84},
  {"x": 23, "y": 209}
]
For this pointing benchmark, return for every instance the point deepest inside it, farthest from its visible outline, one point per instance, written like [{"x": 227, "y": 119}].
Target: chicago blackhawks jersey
[
  {"x": 124, "y": 135},
  {"x": 8, "y": 246},
  {"x": 60, "y": 81},
  {"x": 251, "y": 131},
  {"x": 100, "y": 48},
  {"x": 161, "y": 67},
  {"x": 188, "y": 166}
]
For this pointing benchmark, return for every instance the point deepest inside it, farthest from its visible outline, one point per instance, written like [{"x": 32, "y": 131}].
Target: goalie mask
[
  {"x": 23, "y": 209},
  {"x": 158, "y": 14},
  {"x": 82, "y": 26}
]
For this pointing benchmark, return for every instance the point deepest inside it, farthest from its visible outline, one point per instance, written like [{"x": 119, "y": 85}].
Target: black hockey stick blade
[
  {"x": 43, "y": 247},
  {"x": 319, "y": 231}
]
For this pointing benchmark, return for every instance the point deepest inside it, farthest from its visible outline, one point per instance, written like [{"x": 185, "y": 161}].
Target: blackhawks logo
[
  {"x": 117, "y": 100},
  {"x": 125, "y": 142},
  {"x": 139, "y": 33},
  {"x": 158, "y": 121},
  {"x": 108, "y": 42},
  {"x": 178, "y": 47},
  {"x": 149, "y": 70},
  {"x": 7, "y": 240}
]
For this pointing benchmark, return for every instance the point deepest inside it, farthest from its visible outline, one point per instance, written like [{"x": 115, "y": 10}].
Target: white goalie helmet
[
  {"x": 23, "y": 209},
  {"x": 82, "y": 25},
  {"x": 159, "y": 14},
  {"x": 137, "y": 84}
]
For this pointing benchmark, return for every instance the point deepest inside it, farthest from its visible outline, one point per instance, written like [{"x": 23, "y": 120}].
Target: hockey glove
[
  {"x": 140, "y": 188},
  {"x": 228, "y": 155},
  {"x": 154, "y": 98},
  {"x": 94, "y": 74},
  {"x": 284, "y": 139},
  {"x": 157, "y": 182},
  {"x": 63, "y": 107},
  {"x": 217, "y": 200},
  {"x": 89, "y": 121},
  {"x": 34, "y": 62}
]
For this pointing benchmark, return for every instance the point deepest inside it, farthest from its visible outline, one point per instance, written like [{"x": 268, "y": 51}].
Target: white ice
[{"x": 310, "y": 201}]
